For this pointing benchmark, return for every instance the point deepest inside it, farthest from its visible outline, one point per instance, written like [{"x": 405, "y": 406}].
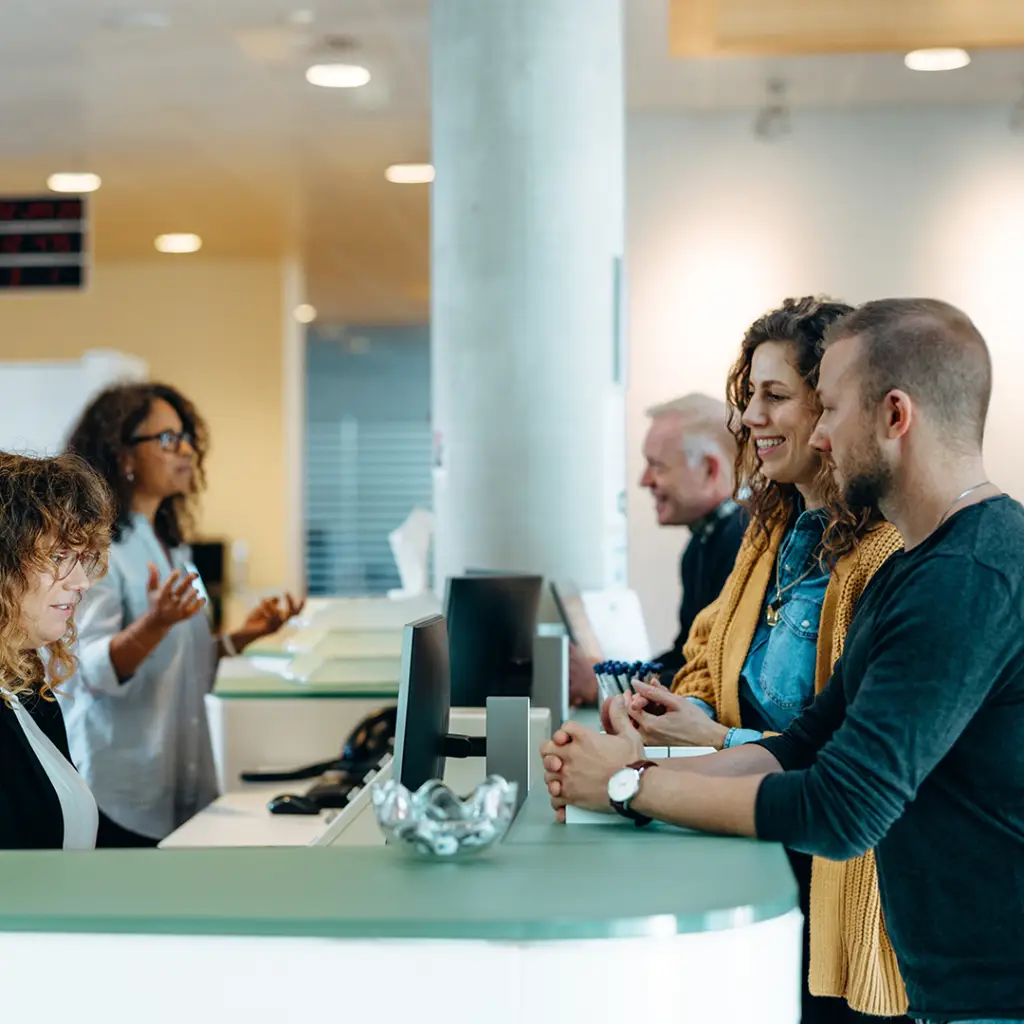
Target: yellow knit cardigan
[{"x": 851, "y": 955}]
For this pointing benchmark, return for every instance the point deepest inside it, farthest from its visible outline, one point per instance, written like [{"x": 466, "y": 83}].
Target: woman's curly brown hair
[
  {"x": 103, "y": 438},
  {"x": 46, "y": 505},
  {"x": 802, "y": 323}
]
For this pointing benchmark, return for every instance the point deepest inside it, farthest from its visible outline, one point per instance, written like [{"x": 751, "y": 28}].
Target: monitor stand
[
  {"x": 551, "y": 672},
  {"x": 506, "y": 744}
]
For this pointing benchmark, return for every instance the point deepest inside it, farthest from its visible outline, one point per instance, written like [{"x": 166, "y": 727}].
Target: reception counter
[
  {"x": 559, "y": 923},
  {"x": 292, "y": 698},
  {"x": 261, "y": 719}
]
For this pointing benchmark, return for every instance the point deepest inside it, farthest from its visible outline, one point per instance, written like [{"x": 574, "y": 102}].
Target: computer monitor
[
  {"x": 423, "y": 703},
  {"x": 575, "y": 619},
  {"x": 492, "y": 621}
]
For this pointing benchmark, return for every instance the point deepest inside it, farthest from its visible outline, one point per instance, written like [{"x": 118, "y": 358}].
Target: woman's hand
[
  {"x": 682, "y": 725},
  {"x": 173, "y": 601},
  {"x": 270, "y": 615}
]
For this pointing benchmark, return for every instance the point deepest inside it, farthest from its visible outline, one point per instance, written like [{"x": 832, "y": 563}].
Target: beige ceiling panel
[{"x": 777, "y": 27}]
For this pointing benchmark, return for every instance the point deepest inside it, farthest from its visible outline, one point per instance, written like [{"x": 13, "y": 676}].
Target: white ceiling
[{"x": 208, "y": 125}]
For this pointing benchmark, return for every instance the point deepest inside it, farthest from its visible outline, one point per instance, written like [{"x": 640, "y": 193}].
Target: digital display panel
[{"x": 42, "y": 243}]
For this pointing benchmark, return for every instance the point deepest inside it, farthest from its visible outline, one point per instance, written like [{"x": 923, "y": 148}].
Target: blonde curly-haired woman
[{"x": 55, "y": 521}]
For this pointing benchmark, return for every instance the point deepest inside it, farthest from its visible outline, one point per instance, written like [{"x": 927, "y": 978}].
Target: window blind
[{"x": 362, "y": 480}]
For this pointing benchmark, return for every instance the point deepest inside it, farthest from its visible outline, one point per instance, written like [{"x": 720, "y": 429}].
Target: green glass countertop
[
  {"x": 269, "y": 687},
  {"x": 255, "y": 678},
  {"x": 545, "y": 882}
]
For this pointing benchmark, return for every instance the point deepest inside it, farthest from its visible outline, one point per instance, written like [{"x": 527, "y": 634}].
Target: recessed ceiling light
[
  {"x": 66, "y": 181},
  {"x": 301, "y": 16},
  {"x": 410, "y": 174},
  {"x": 178, "y": 243},
  {"x": 937, "y": 58},
  {"x": 305, "y": 313},
  {"x": 337, "y": 76}
]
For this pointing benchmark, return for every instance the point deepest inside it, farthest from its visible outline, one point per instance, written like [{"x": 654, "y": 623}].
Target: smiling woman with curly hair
[
  {"x": 759, "y": 654},
  {"x": 55, "y": 521}
]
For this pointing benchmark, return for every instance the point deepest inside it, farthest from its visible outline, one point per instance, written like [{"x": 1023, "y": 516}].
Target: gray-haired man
[{"x": 689, "y": 455}]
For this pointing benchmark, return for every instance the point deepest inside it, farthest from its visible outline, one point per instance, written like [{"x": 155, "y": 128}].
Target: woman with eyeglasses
[
  {"x": 136, "y": 716},
  {"x": 54, "y": 532}
]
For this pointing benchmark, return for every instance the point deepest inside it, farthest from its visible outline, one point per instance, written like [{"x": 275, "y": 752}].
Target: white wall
[
  {"x": 858, "y": 205},
  {"x": 40, "y": 401}
]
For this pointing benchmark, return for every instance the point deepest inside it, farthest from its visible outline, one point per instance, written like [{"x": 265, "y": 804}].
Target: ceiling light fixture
[
  {"x": 937, "y": 58},
  {"x": 773, "y": 121},
  {"x": 74, "y": 182},
  {"x": 410, "y": 174},
  {"x": 305, "y": 313},
  {"x": 337, "y": 76},
  {"x": 178, "y": 243}
]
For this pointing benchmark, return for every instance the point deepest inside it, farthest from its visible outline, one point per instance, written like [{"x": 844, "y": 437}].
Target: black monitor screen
[
  {"x": 492, "y": 621},
  {"x": 423, "y": 702}
]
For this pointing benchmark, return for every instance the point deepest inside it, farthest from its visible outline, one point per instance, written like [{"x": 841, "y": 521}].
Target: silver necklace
[{"x": 960, "y": 497}]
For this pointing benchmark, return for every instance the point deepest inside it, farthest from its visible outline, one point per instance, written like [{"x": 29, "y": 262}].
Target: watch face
[{"x": 623, "y": 785}]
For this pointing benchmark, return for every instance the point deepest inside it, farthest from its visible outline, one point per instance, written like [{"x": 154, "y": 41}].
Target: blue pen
[
  {"x": 652, "y": 679},
  {"x": 605, "y": 684},
  {"x": 621, "y": 670}
]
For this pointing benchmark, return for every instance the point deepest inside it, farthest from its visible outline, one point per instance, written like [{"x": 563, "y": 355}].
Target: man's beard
[{"x": 870, "y": 481}]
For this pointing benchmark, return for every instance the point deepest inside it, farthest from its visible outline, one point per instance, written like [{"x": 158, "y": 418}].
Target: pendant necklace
[{"x": 772, "y": 614}]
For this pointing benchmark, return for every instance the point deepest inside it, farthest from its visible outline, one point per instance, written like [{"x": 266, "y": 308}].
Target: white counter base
[
  {"x": 253, "y": 734},
  {"x": 733, "y": 976}
]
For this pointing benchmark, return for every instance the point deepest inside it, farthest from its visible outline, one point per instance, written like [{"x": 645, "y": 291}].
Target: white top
[
  {"x": 142, "y": 744},
  {"x": 77, "y": 805}
]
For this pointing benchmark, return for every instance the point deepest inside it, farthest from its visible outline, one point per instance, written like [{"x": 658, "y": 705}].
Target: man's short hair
[
  {"x": 705, "y": 422},
  {"x": 933, "y": 352}
]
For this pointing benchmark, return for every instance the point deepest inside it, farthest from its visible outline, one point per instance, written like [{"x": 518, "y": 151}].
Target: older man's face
[{"x": 679, "y": 489}]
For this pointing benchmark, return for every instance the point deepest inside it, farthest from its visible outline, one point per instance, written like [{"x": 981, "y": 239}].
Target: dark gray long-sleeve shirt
[{"x": 916, "y": 748}]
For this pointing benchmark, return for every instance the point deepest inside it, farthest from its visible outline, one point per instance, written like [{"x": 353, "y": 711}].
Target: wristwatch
[{"x": 623, "y": 786}]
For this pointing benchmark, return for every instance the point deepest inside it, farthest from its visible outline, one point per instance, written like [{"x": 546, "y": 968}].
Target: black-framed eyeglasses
[
  {"x": 64, "y": 563},
  {"x": 169, "y": 440}
]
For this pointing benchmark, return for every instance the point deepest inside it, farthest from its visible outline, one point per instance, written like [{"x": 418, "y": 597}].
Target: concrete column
[{"x": 527, "y": 238}]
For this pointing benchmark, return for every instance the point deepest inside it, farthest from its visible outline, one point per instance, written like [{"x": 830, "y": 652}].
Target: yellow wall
[{"x": 217, "y": 331}]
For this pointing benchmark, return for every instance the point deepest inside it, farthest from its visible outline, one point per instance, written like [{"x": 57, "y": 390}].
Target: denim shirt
[{"x": 777, "y": 681}]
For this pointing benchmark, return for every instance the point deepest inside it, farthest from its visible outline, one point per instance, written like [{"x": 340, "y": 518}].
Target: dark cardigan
[{"x": 30, "y": 811}]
